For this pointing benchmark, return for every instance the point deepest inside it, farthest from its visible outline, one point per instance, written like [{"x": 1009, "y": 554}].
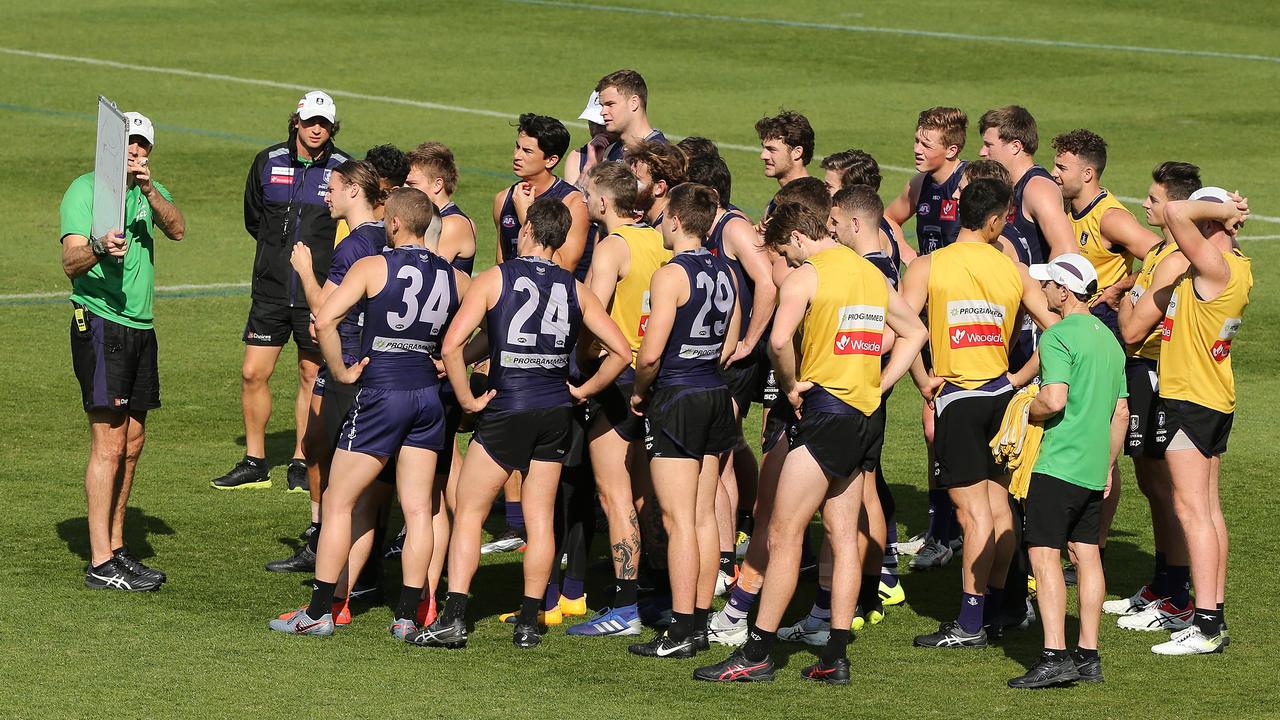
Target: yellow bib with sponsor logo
[
  {"x": 1149, "y": 348},
  {"x": 1112, "y": 264},
  {"x": 974, "y": 295},
  {"x": 1195, "y": 359},
  {"x": 843, "y": 329},
  {"x": 630, "y": 306}
]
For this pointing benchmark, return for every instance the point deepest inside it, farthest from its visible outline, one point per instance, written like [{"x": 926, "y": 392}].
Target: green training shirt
[
  {"x": 119, "y": 291},
  {"x": 1082, "y": 353}
]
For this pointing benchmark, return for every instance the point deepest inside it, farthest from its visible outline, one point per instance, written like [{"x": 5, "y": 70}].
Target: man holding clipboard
[{"x": 113, "y": 344}]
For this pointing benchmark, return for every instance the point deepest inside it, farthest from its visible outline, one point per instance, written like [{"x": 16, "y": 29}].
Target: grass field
[{"x": 219, "y": 80}]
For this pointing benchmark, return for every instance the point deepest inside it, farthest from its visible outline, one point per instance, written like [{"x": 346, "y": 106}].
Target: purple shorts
[{"x": 381, "y": 421}]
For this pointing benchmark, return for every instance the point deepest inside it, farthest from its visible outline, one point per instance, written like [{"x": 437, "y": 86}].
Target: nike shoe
[
  {"x": 895, "y": 595},
  {"x": 545, "y": 617},
  {"x": 135, "y": 566},
  {"x": 302, "y": 560},
  {"x": 1189, "y": 642},
  {"x": 912, "y": 546},
  {"x": 113, "y": 575},
  {"x": 297, "y": 477},
  {"x": 527, "y": 636},
  {"x": 403, "y": 628},
  {"x": 396, "y": 547},
  {"x": 508, "y": 540},
  {"x": 609, "y": 622},
  {"x": 439, "y": 634},
  {"x": 723, "y": 631},
  {"x": 868, "y": 616},
  {"x": 1159, "y": 616},
  {"x": 951, "y": 635},
  {"x": 573, "y": 608},
  {"x": 835, "y": 673},
  {"x": 725, "y": 581},
  {"x": 663, "y": 646},
  {"x": 299, "y": 623},
  {"x": 808, "y": 631},
  {"x": 1047, "y": 672},
  {"x": 1131, "y": 605},
  {"x": 737, "y": 668},
  {"x": 1090, "y": 670},
  {"x": 246, "y": 475},
  {"x": 740, "y": 544},
  {"x": 933, "y": 554},
  {"x": 426, "y": 613},
  {"x": 341, "y": 613},
  {"x": 700, "y": 640}
]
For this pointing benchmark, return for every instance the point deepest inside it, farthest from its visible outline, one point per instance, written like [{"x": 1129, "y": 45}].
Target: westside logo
[
  {"x": 860, "y": 330},
  {"x": 975, "y": 323},
  {"x": 1221, "y": 349}
]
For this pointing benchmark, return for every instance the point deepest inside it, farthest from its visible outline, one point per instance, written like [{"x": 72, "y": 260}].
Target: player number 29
[{"x": 718, "y": 292}]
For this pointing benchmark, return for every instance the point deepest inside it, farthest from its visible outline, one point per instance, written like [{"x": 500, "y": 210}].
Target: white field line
[
  {"x": 909, "y": 32},
  {"x": 182, "y": 72},
  {"x": 159, "y": 289}
]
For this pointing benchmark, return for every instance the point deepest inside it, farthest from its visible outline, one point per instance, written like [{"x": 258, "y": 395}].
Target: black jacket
[{"x": 284, "y": 204}]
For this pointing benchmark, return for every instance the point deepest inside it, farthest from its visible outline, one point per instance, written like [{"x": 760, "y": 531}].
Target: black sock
[
  {"x": 700, "y": 616},
  {"x": 313, "y": 537},
  {"x": 125, "y": 548},
  {"x": 837, "y": 646},
  {"x": 455, "y": 607},
  {"x": 726, "y": 563},
  {"x": 321, "y": 599},
  {"x": 256, "y": 461},
  {"x": 407, "y": 608},
  {"x": 1086, "y": 654},
  {"x": 1053, "y": 654},
  {"x": 1209, "y": 621},
  {"x": 869, "y": 591},
  {"x": 759, "y": 644},
  {"x": 680, "y": 626},
  {"x": 1222, "y": 618},
  {"x": 746, "y": 524},
  {"x": 624, "y": 593},
  {"x": 529, "y": 608}
]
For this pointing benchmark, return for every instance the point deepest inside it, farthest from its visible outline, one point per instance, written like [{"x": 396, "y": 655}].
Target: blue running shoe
[{"x": 610, "y": 622}]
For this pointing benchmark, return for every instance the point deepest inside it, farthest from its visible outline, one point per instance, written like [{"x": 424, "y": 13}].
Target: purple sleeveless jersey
[{"x": 692, "y": 354}]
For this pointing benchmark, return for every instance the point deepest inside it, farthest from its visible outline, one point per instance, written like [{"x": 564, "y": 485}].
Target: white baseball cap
[
  {"x": 591, "y": 113},
  {"x": 141, "y": 126},
  {"x": 1212, "y": 194},
  {"x": 1070, "y": 270},
  {"x": 317, "y": 104}
]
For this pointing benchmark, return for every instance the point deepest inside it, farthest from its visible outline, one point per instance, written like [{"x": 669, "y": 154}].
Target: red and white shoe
[
  {"x": 1133, "y": 604},
  {"x": 1161, "y": 616}
]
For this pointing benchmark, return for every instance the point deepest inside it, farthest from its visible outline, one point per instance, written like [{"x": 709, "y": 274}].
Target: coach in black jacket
[{"x": 284, "y": 204}]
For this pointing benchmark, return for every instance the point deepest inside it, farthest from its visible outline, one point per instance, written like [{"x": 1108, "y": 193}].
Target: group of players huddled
[{"x": 634, "y": 315}]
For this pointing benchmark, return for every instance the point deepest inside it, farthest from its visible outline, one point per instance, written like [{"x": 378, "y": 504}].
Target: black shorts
[
  {"x": 1207, "y": 428},
  {"x": 840, "y": 443},
  {"x": 116, "y": 365},
  {"x": 1058, "y": 512},
  {"x": 514, "y": 438},
  {"x": 881, "y": 416},
  {"x": 479, "y": 382},
  {"x": 690, "y": 422},
  {"x": 777, "y": 425},
  {"x": 270, "y": 325},
  {"x": 613, "y": 405},
  {"x": 964, "y": 424},
  {"x": 743, "y": 381},
  {"x": 579, "y": 422},
  {"x": 1148, "y": 435},
  {"x": 766, "y": 385}
]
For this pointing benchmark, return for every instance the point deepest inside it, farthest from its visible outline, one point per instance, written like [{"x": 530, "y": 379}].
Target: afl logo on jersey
[
  {"x": 1084, "y": 238},
  {"x": 508, "y": 221},
  {"x": 923, "y": 209}
]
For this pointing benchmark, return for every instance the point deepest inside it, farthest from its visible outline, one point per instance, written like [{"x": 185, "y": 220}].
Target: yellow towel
[{"x": 1018, "y": 442}]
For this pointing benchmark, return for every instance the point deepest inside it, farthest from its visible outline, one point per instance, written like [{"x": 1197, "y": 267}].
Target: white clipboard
[{"x": 109, "y": 165}]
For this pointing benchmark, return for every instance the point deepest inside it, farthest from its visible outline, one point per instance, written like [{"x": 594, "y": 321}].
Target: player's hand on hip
[
  {"x": 795, "y": 395},
  {"x": 743, "y": 350},
  {"x": 350, "y": 374},
  {"x": 638, "y": 405},
  {"x": 477, "y": 404}
]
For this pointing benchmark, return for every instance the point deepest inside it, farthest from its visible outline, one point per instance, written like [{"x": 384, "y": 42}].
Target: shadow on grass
[{"x": 138, "y": 527}]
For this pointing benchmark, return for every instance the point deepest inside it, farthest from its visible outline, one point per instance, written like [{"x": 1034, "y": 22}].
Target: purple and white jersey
[
  {"x": 364, "y": 240},
  {"x": 532, "y": 332},
  {"x": 692, "y": 354},
  {"x": 404, "y": 323}
]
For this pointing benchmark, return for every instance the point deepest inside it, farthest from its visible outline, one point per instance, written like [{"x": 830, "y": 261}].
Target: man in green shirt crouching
[
  {"x": 1084, "y": 412},
  {"x": 113, "y": 348}
]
